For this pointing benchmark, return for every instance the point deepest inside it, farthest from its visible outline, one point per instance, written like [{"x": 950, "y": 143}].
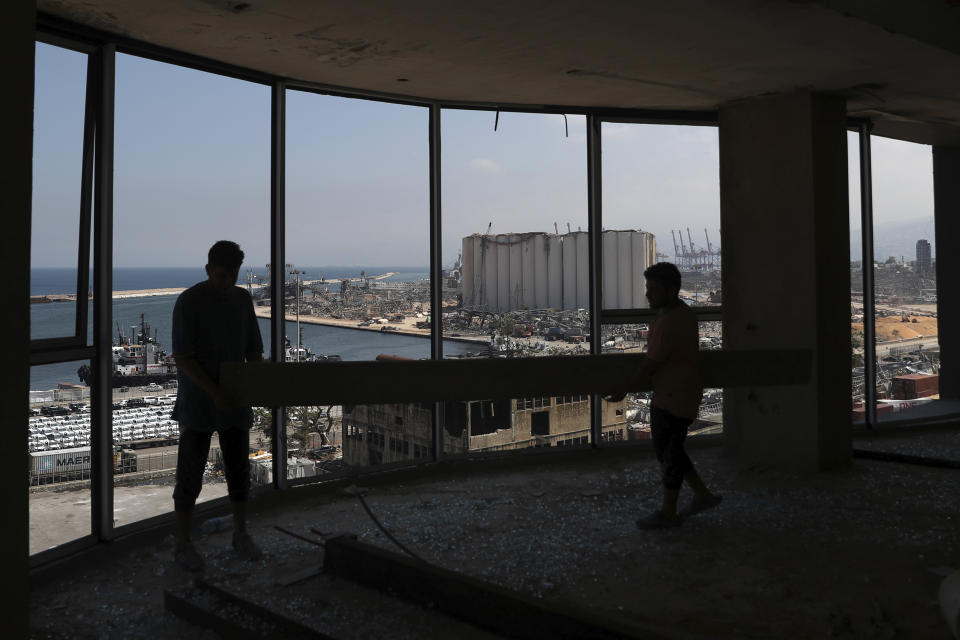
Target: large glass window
[
  {"x": 357, "y": 279},
  {"x": 516, "y": 266},
  {"x": 858, "y": 345},
  {"x": 906, "y": 364},
  {"x": 192, "y": 165},
  {"x": 907, "y": 347},
  {"x": 661, "y": 202},
  {"x": 59, "y": 114},
  {"x": 634, "y": 411},
  {"x": 58, "y": 455}
]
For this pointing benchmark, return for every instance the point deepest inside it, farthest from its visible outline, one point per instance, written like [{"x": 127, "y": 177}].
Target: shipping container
[
  {"x": 915, "y": 386},
  {"x": 73, "y": 464},
  {"x": 65, "y": 462}
]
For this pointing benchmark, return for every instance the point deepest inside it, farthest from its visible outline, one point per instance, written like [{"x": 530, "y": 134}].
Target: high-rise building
[{"x": 923, "y": 256}]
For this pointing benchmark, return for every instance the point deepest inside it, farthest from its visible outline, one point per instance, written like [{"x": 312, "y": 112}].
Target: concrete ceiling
[{"x": 899, "y": 66}]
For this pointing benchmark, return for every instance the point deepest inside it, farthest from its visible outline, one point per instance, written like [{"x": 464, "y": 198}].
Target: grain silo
[{"x": 545, "y": 270}]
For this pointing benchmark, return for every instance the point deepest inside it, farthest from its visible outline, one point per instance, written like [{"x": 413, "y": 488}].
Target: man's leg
[
  {"x": 693, "y": 480},
  {"x": 235, "y": 446},
  {"x": 703, "y": 499},
  {"x": 192, "y": 451},
  {"x": 676, "y": 463},
  {"x": 669, "y": 506},
  {"x": 239, "y": 515},
  {"x": 667, "y": 432}
]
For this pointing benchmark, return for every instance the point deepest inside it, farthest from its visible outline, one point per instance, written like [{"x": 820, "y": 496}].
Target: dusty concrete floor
[
  {"x": 856, "y": 553},
  {"x": 942, "y": 443},
  {"x": 58, "y": 515}
]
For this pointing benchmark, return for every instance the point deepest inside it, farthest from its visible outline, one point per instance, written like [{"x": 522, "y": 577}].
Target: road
[{"x": 905, "y": 346}]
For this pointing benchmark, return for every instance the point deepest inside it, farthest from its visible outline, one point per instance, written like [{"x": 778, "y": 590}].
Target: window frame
[
  {"x": 96, "y": 218},
  {"x": 67, "y": 347}
]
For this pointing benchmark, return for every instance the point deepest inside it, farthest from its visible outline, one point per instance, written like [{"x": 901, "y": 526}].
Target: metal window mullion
[
  {"x": 101, "y": 450},
  {"x": 595, "y": 235},
  {"x": 866, "y": 268},
  {"x": 436, "y": 268},
  {"x": 62, "y": 355},
  {"x": 278, "y": 107},
  {"x": 64, "y": 41},
  {"x": 86, "y": 196},
  {"x": 48, "y": 345}
]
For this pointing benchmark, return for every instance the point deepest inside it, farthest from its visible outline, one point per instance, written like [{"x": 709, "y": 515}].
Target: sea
[{"x": 58, "y": 319}]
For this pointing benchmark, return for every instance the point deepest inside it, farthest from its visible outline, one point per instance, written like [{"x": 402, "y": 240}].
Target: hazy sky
[{"x": 193, "y": 159}]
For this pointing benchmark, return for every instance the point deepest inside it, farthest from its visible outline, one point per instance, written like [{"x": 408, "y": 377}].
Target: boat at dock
[
  {"x": 138, "y": 359},
  {"x": 303, "y": 353}
]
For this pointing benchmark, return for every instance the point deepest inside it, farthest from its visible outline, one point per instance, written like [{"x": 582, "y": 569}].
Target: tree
[
  {"x": 263, "y": 422},
  {"x": 307, "y": 420},
  {"x": 263, "y": 419}
]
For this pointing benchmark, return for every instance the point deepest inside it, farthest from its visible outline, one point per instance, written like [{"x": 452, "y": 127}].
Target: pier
[
  {"x": 398, "y": 328},
  {"x": 171, "y": 291}
]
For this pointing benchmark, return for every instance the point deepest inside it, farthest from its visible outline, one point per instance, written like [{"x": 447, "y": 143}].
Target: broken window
[
  {"x": 645, "y": 163},
  {"x": 540, "y": 423},
  {"x": 515, "y": 247},
  {"x": 357, "y": 184}
]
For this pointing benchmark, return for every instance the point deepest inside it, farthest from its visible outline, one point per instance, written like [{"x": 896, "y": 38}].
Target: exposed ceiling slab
[{"x": 684, "y": 54}]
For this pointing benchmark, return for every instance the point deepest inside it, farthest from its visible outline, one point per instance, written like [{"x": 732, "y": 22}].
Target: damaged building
[{"x": 383, "y": 434}]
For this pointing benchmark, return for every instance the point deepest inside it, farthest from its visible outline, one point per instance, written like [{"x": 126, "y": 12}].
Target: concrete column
[
  {"x": 786, "y": 284},
  {"x": 16, "y": 167},
  {"x": 946, "y": 202}
]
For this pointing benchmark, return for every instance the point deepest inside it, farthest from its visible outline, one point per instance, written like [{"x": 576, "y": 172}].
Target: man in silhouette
[
  {"x": 672, "y": 369},
  {"x": 213, "y": 323}
]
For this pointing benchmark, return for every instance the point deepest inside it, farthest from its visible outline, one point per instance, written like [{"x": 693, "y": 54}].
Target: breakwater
[{"x": 397, "y": 328}]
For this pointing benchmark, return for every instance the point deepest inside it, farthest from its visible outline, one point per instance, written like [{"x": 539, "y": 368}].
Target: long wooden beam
[
  {"x": 313, "y": 383},
  {"x": 487, "y": 606}
]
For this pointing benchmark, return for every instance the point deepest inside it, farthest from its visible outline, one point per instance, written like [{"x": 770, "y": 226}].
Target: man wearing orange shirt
[{"x": 672, "y": 365}]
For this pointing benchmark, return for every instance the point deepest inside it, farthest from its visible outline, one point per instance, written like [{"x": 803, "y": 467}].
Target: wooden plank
[
  {"x": 229, "y": 616},
  {"x": 313, "y": 383},
  {"x": 484, "y": 605},
  {"x": 299, "y": 576}
]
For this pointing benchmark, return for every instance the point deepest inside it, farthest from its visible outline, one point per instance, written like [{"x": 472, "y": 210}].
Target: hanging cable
[
  {"x": 384, "y": 530},
  {"x": 496, "y": 120},
  {"x": 566, "y": 127}
]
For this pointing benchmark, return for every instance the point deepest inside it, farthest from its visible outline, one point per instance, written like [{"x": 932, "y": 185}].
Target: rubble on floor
[{"x": 856, "y": 553}]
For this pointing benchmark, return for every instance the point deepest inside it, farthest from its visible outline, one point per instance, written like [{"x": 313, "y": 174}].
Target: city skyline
[{"x": 192, "y": 154}]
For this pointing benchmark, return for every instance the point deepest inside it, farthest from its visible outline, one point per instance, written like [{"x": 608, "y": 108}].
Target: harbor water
[{"x": 57, "y": 319}]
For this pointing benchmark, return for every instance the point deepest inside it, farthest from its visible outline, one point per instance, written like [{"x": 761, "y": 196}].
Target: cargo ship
[
  {"x": 304, "y": 354},
  {"x": 138, "y": 359}
]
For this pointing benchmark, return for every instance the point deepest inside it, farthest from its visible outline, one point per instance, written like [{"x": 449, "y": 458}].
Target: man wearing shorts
[
  {"x": 213, "y": 323},
  {"x": 672, "y": 366}
]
